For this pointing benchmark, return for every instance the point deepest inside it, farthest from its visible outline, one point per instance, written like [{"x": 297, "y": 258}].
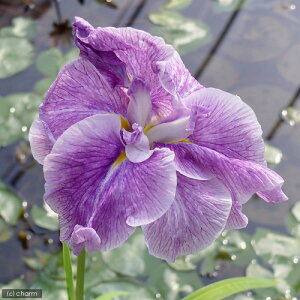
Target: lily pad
[
  {"x": 5, "y": 232},
  {"x": 38, "y": 262},
  {"x": 178, "y": 4},
  {"x": 273, "y": 155},
  {"x": 291, "y": 115},
  {"x": 21, "y": 27},
  {"x": 228, "y": 5},
  {"x": 44, "y": 219},
  {"x": 17, "y": 112},
  {"x": 10, "y": 205},
  {"x": 127, "y": 259},
  {"x": 273, "y": 246},
  {"x": 184, "y": 34},
  {"x": 16, "y": 55}
]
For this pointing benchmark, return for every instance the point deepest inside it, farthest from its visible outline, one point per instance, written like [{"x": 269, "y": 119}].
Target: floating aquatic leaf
[
  {"x": 112, "y": 295},
  {"x": 10, "y": 205},
  {"x": 184, "y": 34},
  {"x": 16, "y": 55},
  {"x": 291, "y": 115},
  {"x": 273, "y": 155},
  {"x": 183, "y": 264},
  {"x": 272, "y": 246},
  {"x": 44, "y": 219},
  {"x": 14, "y": 284},
  {"x": 178, "y": 4},
  {"x": 49, "y": 62},
  {"x": 38, "y": 262},
  {"x": 17, "y": 112},
  {"x": 228, "y": 5},
  {"x": 128, "y": 258},
  {"x": 5, "y": 232},
  {"x": 21, "y": 27}
]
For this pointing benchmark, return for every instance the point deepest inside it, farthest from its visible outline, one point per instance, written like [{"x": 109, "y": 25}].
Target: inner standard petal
[
  {"x": 171, "y": 132},
  {"x": 137, "y": 147}
]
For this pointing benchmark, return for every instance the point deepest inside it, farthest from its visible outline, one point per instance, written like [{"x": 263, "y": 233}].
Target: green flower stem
[
  {"x": 68, "y": 272},
  {"x": 80, "y": 275}
]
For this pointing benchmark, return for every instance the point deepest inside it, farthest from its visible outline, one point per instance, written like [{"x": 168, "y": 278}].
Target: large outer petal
[
  {"x": 242, "y": 178},
  {"x": 41, "y": 140},
  {"x": 230, "y": 128},
  {"x": 78, "y": 163},
  {"x": 193, "y": 222},
  {"x": 79, "y": 92},
  {"x": 146, "y": 57},
  {"x": 134, "y": 194}
]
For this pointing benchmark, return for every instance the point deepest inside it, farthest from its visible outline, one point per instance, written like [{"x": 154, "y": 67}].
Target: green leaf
[
  {"x": 112, "y": 295},
  {"x": 38, "y": 262},
  {"x": 14, "y": 284},
  {"x": 5, "y": 232},
  {"x": 296, "y": 211},
  {"x": 228, "y": 5},
  {"x": 273, "y": 155},
  {"x": 16, "y": 55},
  {"x": 17, "y": 112},
  {"x": 21, "y": 27},
  {"x": 272, "y": 246},
  {"x": 45, "y": 219},
  {"x": 291, "y": 115},
  {"x": 10, "y": 205},
  {"x": 178, "y": 4},
  {"x": 228, "y": 287},
  {"x": 127, "y": 259},
  {"x": 184, "y": 34},
  {"x": 49, "y": 62},
  {"x": 183, "y": 264}
]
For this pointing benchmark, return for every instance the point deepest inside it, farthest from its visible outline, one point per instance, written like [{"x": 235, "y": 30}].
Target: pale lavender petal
[
  {"x": 145, "y": 57},
  {"x": 176, "y": 78},
  {"x": 76, "y": 167},
  {"x": 84, "y": 237},
  {"x": 140, "y": 106},
  {"x": 134, "y": 194},
  {"x": 170, "y": 132},
  {"x": 231, "y": 128},
  {"x": 242, "y": 178},
  {"x": 236, "y": 219},
  {"x": 194, "y": 221},
  {"x": 79, "y": 92},
  {"x": 137, "y": 146},
  {"x": 41, "y": 140}
]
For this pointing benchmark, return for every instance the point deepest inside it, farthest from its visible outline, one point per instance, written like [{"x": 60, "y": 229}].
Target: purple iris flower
[{"x": 129, "y": 138}]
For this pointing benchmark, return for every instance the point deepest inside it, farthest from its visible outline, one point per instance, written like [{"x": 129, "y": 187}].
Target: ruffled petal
[
  {"x": 145, "y": 56},
  {"x": 137, "y": 146},
  {"x": 242, "y": 178},
  {"x": 193, "y": 222},
  {"x": 84, "y": 237},
  {"x": 41, "y": 140},
  {"x": 106, "y": 62},
  {"x": 79, "y": 92},
  {"x": 76, "y": 167},
  {"x": 134, "y": 194},
  {"x": 231, "y": 127}
]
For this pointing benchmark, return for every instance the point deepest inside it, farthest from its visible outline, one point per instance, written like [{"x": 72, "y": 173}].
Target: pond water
[{"x": 249, "y": 48}]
